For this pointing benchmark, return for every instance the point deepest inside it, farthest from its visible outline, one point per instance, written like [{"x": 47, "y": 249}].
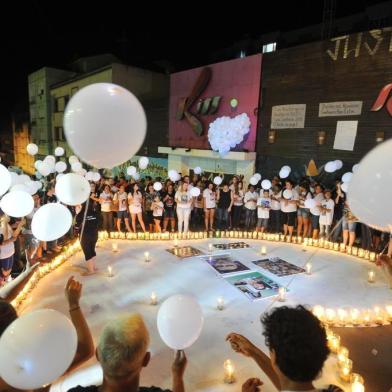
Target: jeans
[
  {"x": 183, "y": 215},
  {"x": 324, "y": 230},
  {"x": 237, "y": 210},
  {"x": 107, "y": 221},
  {"x": 250, "y": 218},
  {"x": 197, "y": 218},
  {"x": 275, "y": 221},
  {"x": 222, "y": 219}
]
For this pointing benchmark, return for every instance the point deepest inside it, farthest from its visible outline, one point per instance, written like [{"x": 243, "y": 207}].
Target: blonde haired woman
[{"x": 183, "y": 199}]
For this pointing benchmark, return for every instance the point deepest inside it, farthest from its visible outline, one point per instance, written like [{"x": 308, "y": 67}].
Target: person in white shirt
[
  {"x": 157, "y": 212},
  {"x": 327, "y": 206},
  {"x": 303, "y": 213},
  {"x": 238, "y": 203},
  {"x": 250, "y": 202},
  {"x": 106, "y": 198},
  {"x": 288, "y": 206},
  {"x": 121, "y": 200},
  {"x": 275, "y": 211},
  {"x": 135, "y": 201},
  {"x": 263, "y": 211},
  {"x": 209, "y": 206},
  {"x": 315, "y": 212},
  {"x": 183, "y": 199}
]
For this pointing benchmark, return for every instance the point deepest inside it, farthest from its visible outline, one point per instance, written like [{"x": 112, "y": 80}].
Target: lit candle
[
  {"x": 354, "y": 315},
  {"x": 305, "y": 246},
  {"x": 372, "y": 256},
  {"x": 147, "y": 257},
  {"x": 220, "y": 303},
  {"x": 388, "y": 309},
  {"x": 345, "y": 370},
  {"x": 361, "y": 253},
  {"x": 330, "y": 316},
  {"x": 342, "y": 355},
  {"x": 110, "y": 271},
  {"x": 263, "y": 250},
  {"x": 342, "y": 316},
  {"x": 319, "y": 312},
  {"x": 229, "y": 372},
  {"x": 378, "y": 315},
  {"x": 357, "y": 383},
  {"x": 349, "y": 250},
  {"x": 282, "y": 294},
  {"x": 231, "y": 234},
  {"x": 367, "y": 317},
  {"x": 176, "y": 243},
  {"x": 371, "y": 276},
  {"x": 334, "y": 342},
  {"x": 354, "y": 251},
  {"x": 335, "y": 246},
  {"x": 153, "y": 298},
  {"x": 210, "y": 248},
  {"x": 115, "y": 247},
  {"x": 308, "y": 267},
  {"x": 342, "y": 247}
]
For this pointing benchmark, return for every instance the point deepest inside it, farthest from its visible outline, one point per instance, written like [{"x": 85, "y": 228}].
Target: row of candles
[
  {"x": 305, "y": 242},
  {"x": 354, "y": 317},
  {"x": 44, "y": 270},
  {"x": 344, "y": 363}
]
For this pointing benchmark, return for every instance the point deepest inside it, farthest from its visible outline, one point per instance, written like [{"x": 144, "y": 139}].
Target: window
[
  {"x": 61, "y": 103},
  {"x": 269, "y": 47},
  {"x": 58, "y": 134}
]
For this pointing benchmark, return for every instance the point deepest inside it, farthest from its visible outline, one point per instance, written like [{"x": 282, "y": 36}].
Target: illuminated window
[{"x": 269, "y": 47}]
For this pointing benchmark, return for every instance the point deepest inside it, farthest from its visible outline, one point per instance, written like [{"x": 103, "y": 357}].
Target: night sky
[{"x": 34, "y": 34}]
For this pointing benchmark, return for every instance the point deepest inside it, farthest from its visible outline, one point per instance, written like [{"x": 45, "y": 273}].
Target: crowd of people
[
  {"x": 296, "y": 340},
  {"x": 129, "y": 205}
]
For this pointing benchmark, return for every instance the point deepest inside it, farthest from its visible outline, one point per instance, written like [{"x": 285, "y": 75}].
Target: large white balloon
[
  {"x": 157, "y": 186},
  {"x": 370, "y": 190},
  {"x": 60, "y": 167},
  {"x": 143, "y": 163},
  {"x": 19, "y": 187},
  {"x": 347, "y": 177},
  {"x": 266, "y": 184},
  {"x": 51, "y": 221},
  {"x": 330, "y": 167},
  {"x": 36, "y": 349},
  {"x": 180, "y": 321},
  {"x": 253, "y": 180},
  {"x": 104, "y": 124},
  {"x": 32, "y": 149},
  {"x": 131, "y": 170},
  {"x": 72, "y": 189},
  {"x": 17, "y": 204},
  {"x": 59, "y": 151},
  {"x": 5, "y": 179},
  {"x": 197, "y": 170},
  {"x": 195, "y": 191},
  {"x": 287, "y": 194},
  {"x": 218, "y": 180}
]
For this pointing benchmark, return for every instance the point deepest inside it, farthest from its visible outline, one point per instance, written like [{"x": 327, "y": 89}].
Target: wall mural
[{"x": 382, "y": 99}]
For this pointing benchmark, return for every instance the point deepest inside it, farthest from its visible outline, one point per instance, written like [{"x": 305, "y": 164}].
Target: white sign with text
[
  {"x": 288, "y": 116},
  {"x": 346, "y": 133},
  {"x": 346, "y": 108}
]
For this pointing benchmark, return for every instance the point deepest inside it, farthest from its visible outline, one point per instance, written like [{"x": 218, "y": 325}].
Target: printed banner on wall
[
  {"x": 157, "y": 167},
  {"x": 347, "y": 108},
  {"x": 346, "y": 133},
  {"x": 288, "y": 116}
]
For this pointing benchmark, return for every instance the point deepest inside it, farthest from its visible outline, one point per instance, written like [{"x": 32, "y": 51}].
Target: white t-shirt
[
  {"x": 326, "y": 218},
  {"x": 289, "y": 207},
  {"x": 122, "y": 199},
  {"x": 302, "y": 197},
  {"x": 136, "y": 199},
  {"x": 317, "y": 198},
  {"x": 209, "y": 197},
  {"x": 7, "y": 250},
  {"x": 250, "y": 200},
  {"x": 238, "y": 199},
  {"x": 263, "y": 207},
  {"x": 275, "y": 204},
  {"x": 157, "y": 208},
  {"x": 184, "y": 199},
  {"x": 106, "y": 205}
]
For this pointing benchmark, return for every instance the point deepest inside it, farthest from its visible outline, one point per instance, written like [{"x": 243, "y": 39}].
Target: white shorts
[{"x": 135, "y": 209}]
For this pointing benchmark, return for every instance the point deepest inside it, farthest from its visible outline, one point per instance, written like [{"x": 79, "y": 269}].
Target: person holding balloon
[{"x": 288, "y": 205}]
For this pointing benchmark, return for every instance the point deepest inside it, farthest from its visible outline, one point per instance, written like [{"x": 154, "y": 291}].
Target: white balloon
[
  {"x": 258, "y": 176},
  {"x": 344, "y": 186},
  {"x": 287, "y": 194},
  {"x": 310, "y": 203},
  {"x": 5, "y": 179},
  {"x": 14, "y": 178},
  {"x": 30, "y": 349},
  {"x": 37, "y": 164},
  {"x": 51, "y": 221},
  {"x": 253, "y": 181},
  {"x": 19, "y": 187},
  {"x": 17, "y": 204},
  {"x": 218, "y": 180},
  {"x": 136, "y": 176},
  {"x": 286, "y": 168},
  {"x": 195, "y": 191},
  {"x": 59, "y": 176},
  {"x": 96, "y": 177},
  {"x": 355, "y": 168},
  {"x": 338, "y": 164},
  {"x": 82, "y": 172},
  {"x": 89, "y": 176},
  {"x": 44, "y": 169},
  {"x": 72, "y": 189},
  {"x": 32, "y": 149},
  {"x": 347, "y": 177},
  {"x": 60, "y": 167},
  {"x": 73, "y": 159},
  {"x": 173, "y": 175},
  {"x": 284, "y": 173},
  {"x": 266, "y": 184},
  {"x": 197, "y": 170},
  {"x": 143, "y": 163},
  {"x": 38, "y": 184},
  {"x": 157, "y": 186},
  {"x": 330, "y": 167},
  {"x": 76, "y": 166},
  {"x": 51, "y": 159},
  {"x": 105, "y": 124},
  {"x": 23, "y": 178},
  {"x": 131, "y": 170},
  {"x": 31, "y": 187},
  {"x": 59, "y": 151},
  {"x": 370, "y": 190},
  {"x": 180, "y": 321}
]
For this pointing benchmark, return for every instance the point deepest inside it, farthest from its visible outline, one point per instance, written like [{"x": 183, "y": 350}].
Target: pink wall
[{"x": 239, "y": 78}]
